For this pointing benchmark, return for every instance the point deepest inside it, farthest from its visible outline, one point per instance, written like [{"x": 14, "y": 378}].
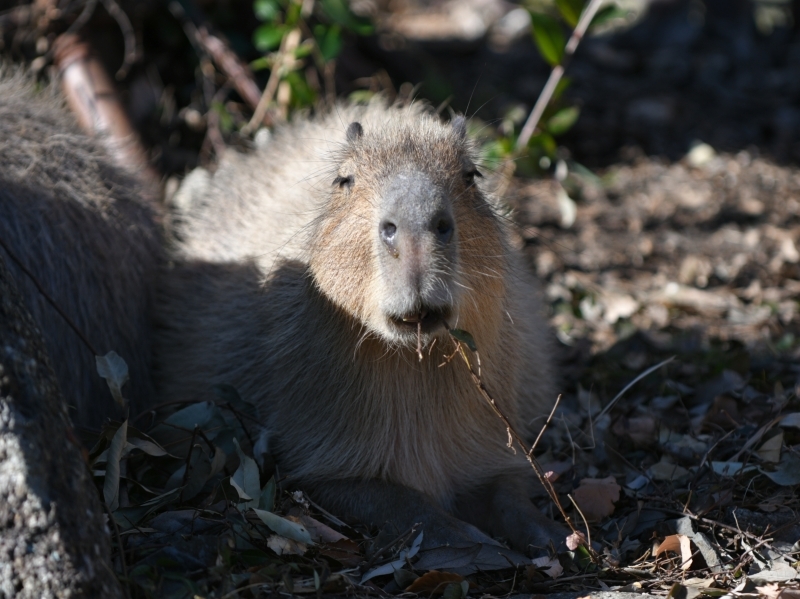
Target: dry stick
[
  {"x": 288, "y": 44},
  {"x": 631, "y": 384},
  {"x": 514, "y": 436},
  {"x": 118, "y": 538},
  {"x": 129, "y": 36},
  {"x": 585, "y": 522},
  {"x": 226, "y": 59},
  {"x": 556, "y": 74}
]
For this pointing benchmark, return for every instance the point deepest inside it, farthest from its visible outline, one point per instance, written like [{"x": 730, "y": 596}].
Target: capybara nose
[
  {"x": 441, "y": 226},
  {"x": 415, "y": 213}
]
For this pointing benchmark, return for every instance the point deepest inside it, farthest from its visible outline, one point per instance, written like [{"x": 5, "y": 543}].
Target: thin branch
[
  {"x": 284, "y": 55},
  {"x": 129, "y": 36},
  {"x": 223, "y": 57},
  {"x": 514, "y": 436},
  {"x": 631, "y": 384},
  {"x": 556, "y": 74}
]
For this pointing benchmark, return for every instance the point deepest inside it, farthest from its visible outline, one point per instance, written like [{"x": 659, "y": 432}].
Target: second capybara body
[
  {"x": 88, "y": 236},
  {"x": 311, "y": 275}
]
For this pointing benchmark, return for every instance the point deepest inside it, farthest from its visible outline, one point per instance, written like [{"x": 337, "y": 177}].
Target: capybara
[
  {"x": 318, "y": 276},
  {"x": 81, "y": 227}
]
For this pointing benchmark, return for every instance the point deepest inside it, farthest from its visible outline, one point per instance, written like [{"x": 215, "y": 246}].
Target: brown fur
[
  {"x": 278, "y": 289},
  {"x": 77, "y": 222}
]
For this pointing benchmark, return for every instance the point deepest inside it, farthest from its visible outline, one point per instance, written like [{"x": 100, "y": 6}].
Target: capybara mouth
[{"x": 425, "y": 320}]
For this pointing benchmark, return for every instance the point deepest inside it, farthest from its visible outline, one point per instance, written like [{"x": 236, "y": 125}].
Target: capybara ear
[
  {"x": 354, "y": 131},
  {"x": 460, "y": 126}
]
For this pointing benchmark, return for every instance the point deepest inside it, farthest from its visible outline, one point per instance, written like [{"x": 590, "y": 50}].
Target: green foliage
[
  {"x": 321, "y": 31},
  {"x": 549, "y": 38},
  {"x": 550, "y": 20}
]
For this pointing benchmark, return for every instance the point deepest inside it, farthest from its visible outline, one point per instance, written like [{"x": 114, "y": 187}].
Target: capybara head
[{"x": 408, "y": 241}]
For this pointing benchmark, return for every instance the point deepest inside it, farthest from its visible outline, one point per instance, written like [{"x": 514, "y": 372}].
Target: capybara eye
[
  {"x": 343, "y": 181},
  {"x": 469, "y": 176},
  {"x": 444, "y": 229}
]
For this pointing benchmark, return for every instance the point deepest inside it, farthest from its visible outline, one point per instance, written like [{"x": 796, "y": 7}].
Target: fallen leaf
[
  {"x": 245, "y": 480},
  {"x": 596, "y": 497},
  {"x": 283, "y": 546},
  {"x": 345, "y": 551},
  {"x": 790, "y": 420},
  {"x": 319, "y": 531},
  {"x": 788, "y": 472},
  {"x": 549, "y": 565},
  {"x": 770, "y": 450},
  {"x": 114, "y": 369},
  {"x": 433, "y": 582},
  {"x": 641, "y": 430},
  {"x": 680, "y": 544},
  {"x": 284, "y": 526},
  {"x": 668, "y": 471}
]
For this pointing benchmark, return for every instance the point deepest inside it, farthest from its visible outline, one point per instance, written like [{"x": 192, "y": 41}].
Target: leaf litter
[{"x": 678, "y": 437}]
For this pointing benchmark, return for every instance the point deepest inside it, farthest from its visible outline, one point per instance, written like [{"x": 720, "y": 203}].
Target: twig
[
  {"x": 513, "y": 436},
  {"x": 226, "y": 60},
  {"x": 546, "y": 424},
  {"x": 118, "y": 538},
  {"x": 289, "y": 42},
  {"x": 585, "y": 523},
  {"x": 556, "y": 74},
  {"x": 610, "y": 405},
  {"x": 129, "y": 36},
  {"x": 189, "y": 456}
]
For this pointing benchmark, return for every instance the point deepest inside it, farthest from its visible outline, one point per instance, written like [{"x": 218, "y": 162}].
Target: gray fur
[
  {"x": 78, "y": 223},
  {"x": 278, "y": 288}
]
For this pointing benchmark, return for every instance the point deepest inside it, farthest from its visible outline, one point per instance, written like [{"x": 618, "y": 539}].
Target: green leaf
[
  {"x": 114, "y": 369},
  {"x": 111, "y": 482},
  {"x": 570, "y": 10},
  {"x": 268, "y": 36},
  {"x": 128, "y": 517},
  {"x": 329, "y": 40},
  {"x": 608, "y": 13},
  {"x": 549, "y": 38},
  {"x": 464, "y": 337},
  {"x": 245, "y": 479},
  {"x": 266, "y": 500},
  {"x": 562, "y": 85},
  {"x": 339, "y": 12},
  {"x": 545, "y": 142},
  {"x": 285, "y": 528},
  {"x": 302, "y": 94},
  {"x": 266, "y": 10},
  {"x": 562, "y": 121}
]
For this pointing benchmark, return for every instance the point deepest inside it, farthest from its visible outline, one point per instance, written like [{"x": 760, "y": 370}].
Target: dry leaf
[
  {"x": 667, "y": 471},
  {"x": 642, "y": 430},
  {"x": 319, "y": 531},
  {"x": 344, "y": 551},
  {"x": 549, "y": 565},
  {"x": 283, "y": 546},
  {"x": 770, "y": 450},
  {"x": 433, "y": 582},
  {"x": 596, "y": 497},
  {"x": 680, "y": 544}
]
